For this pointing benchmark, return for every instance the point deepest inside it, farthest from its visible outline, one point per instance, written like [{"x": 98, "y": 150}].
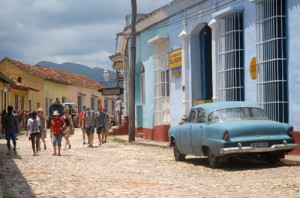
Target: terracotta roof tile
[
  {"x": 57, "y": 75},
  {"x": 15, "y": 84}
]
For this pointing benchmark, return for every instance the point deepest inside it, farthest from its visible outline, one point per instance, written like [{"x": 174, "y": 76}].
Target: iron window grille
[
  {"x": 271, "y": 59},
  {"x": 231, "y": 57}
]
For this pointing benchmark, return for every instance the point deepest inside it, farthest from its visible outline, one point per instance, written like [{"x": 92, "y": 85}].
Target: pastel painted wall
[
  {"x": 13, "y": 71},
  {"x": 293, "y": 51},
  {"x": 193, "y": 27},
  {"x": 249, "y": 50}
]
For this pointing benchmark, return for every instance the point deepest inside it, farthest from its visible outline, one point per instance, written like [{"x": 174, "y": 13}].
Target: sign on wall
[
  {"x": 253, "y": 68},
  {"x": 111, "y": 91},
  {"x": 175, "y": 58}
]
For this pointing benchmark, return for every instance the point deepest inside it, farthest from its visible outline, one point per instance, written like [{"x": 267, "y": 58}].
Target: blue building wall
[
  {"x": 293, "y": 46},
  {"x": 145, "y": 56}
]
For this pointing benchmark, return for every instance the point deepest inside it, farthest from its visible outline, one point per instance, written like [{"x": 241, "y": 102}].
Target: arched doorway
[{"x": 205, "y": 63}]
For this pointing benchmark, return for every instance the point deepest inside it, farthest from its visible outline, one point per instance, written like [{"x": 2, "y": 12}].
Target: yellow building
[{"x": 30, "y": 87}]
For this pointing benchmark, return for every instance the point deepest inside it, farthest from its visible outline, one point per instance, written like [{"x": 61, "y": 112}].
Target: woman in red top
[{"x": 57, "y": 124}]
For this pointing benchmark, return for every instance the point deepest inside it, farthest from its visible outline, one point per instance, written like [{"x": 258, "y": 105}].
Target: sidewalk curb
[
  {"x": 143, "y": 142},
  {"x": 290, "y": 160}
]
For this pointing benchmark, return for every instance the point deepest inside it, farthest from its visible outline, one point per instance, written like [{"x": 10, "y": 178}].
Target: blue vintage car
[{"x": 221, "y": 130}]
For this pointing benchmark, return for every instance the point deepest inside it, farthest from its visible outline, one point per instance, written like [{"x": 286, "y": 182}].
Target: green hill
[{"x": 95, "y": 73}]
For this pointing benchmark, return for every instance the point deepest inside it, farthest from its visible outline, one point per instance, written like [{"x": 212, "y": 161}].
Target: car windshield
[
  {"x": 69, "y": 106},
  {"x": 235, "y": 114}
]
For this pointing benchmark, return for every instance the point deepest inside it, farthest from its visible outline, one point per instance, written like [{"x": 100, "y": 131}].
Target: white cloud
[{"x": 76, "y": 31}]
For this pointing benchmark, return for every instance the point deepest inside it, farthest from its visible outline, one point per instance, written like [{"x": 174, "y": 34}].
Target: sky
[{"x": 78, "y": 31}]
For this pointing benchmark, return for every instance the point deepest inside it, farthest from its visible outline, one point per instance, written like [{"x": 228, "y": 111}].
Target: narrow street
[{"x": 117, "y": 169}]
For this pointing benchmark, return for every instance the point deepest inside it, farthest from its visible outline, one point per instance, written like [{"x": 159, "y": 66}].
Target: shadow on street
[{"x": 11, "y": 177}]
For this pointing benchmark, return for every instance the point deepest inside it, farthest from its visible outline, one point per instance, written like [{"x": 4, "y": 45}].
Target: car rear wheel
[
  {"x": 213, "y": 161},
  {"x": 178, "y": 156}
]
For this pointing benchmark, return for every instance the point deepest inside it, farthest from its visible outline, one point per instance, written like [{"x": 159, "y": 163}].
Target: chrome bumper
[{"x": 249, "y": 149}]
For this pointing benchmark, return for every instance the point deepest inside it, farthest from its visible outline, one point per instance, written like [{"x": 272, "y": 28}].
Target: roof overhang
[
  {"x": 117, "y": 57},
  {"x": 158, "y": 39}
]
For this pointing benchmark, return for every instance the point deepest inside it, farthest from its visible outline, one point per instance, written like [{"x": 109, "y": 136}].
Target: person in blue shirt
[
  {"x": 10, "y": 127},
  {"x": 101, "y": 124}
]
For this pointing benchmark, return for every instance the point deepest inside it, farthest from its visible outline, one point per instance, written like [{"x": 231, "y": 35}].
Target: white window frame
[
  {"x": 161, "y": 84},
  {"x": 231, "y": 57},
  {"x": 142, "y": 85}
]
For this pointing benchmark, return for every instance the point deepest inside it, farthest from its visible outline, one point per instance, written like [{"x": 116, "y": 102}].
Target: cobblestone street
[{"x": 129, "y": 170}]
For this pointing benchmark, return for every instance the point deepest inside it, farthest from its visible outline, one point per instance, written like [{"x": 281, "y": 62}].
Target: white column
[
  {"x": 213, "y": 25},
  {"x": 183, "y": 36}
]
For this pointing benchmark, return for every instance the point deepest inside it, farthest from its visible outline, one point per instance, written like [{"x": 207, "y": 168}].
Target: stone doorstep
[{"x": 291, "y": 160}]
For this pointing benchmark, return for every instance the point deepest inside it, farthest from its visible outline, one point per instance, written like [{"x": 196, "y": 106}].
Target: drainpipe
[
  {"x": 183, "y": 36},
  {"x": 213, "y": 26}
]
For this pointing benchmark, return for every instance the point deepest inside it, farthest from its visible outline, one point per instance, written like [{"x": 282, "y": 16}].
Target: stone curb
[{"x": 291, "y": 160}]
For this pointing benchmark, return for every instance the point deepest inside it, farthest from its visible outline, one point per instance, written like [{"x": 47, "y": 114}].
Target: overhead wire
[
  {"x": 192, "y": 15},
  {"x": 189, "y": 17}
]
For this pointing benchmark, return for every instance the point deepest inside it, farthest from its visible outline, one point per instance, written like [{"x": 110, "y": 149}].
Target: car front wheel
[
  {"x": 213, "y": 161},
  {"x": 178, "y": 156}
]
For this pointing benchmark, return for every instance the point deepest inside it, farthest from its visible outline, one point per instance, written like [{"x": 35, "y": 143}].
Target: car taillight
[
  {"x": 226, "y": 136},
  {"x": 291, "y": 130}
]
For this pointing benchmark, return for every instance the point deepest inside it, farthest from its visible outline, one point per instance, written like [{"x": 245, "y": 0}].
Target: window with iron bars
[
  {"x": 271, "y": 59},
  {"x": 231, "y": 57}
]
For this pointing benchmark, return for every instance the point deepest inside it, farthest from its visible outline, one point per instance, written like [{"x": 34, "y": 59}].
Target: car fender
[
  {"x": 213, "y": 138},
  {"x": 174, "y": 135}
]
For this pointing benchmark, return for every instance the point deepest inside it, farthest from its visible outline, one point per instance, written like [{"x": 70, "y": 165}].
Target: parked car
[{"x": 221, "y": 130}]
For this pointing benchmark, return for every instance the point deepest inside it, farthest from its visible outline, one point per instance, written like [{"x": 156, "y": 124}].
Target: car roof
[{"x": 209, "y": 107}]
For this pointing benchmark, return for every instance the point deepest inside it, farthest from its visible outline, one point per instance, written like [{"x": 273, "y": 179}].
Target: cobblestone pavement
[{"x": 117, "y": 169}]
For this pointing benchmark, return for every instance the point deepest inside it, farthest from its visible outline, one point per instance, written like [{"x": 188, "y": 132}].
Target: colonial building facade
[
  {"x": 29, "y": 87},
  {"x": 196, "y": 51}
]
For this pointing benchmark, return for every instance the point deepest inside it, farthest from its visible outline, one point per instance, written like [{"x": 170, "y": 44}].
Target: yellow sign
[
  {"x": 175, "y": 58},
  {"x": 175, "y": 73},
  {"x": 253, "y": 68},
  {"x": 196, "y": 102}
]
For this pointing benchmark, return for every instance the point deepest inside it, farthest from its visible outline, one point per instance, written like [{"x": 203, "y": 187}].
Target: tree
[{"x": 131, "y": 78}]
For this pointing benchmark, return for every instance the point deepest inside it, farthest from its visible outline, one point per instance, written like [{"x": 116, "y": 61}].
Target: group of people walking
[
  {"x": 61, "y": 126},
  {"x": 12, "y": 125},
  {"x": 91, "y": 121}
]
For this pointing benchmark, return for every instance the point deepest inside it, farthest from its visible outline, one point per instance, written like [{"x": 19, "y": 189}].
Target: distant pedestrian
[
  {"x": 106, "y": 125},
  {"x": 81, "y": 125},
  {"x": 3, "y": 113},
  {"x": 57, "y": 125},
  {"x": 100, "y": 124},
  {"x": 119, "y": 109},
  {"x": 111, "y": 121},
  {"x": 34, "y": 130},
  {"x": 18, "y": 116},
  {"x": 69, "y": 125},
  {"x": 183, "y": 120},
  {"x": 25, "y": 118},
  {"x": 43, "y": 128},
  {"x": 10, "y": 127},
  {"x": 89, "y": 122}
]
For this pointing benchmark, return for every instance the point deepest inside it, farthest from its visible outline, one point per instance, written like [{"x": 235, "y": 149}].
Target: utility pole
[{"x": 131, "y": 76}]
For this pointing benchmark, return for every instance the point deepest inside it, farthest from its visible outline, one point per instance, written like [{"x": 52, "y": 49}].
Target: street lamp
[{"x": 106, "y": 75}]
